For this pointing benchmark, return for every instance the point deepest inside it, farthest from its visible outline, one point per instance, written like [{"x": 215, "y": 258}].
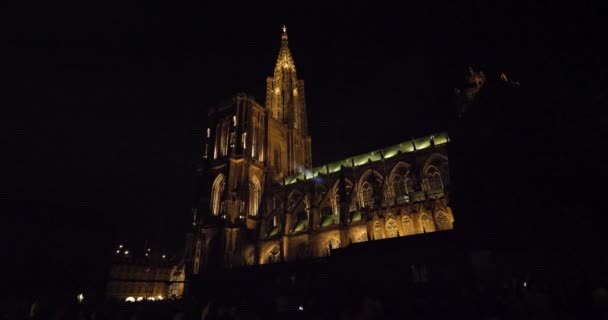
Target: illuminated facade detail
[
  {"x": 367, "y": 193},
  {"x": 262, "y": 201},
  {"x": 391, "y": 228},
  {"x": 255, "y": 195},
  {"x": 408, "y": 228},
  {"x": 216, "y": 194}
]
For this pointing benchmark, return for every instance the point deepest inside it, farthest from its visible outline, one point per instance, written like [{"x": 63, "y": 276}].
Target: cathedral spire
[
  {"x": 286, "y": 104},
  {"x": 284, "y": 88},
  {"x": 285, "y": 60}
]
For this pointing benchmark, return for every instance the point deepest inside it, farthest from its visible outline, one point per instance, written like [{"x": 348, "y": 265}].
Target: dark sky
[{"x": 107, "y": 100}]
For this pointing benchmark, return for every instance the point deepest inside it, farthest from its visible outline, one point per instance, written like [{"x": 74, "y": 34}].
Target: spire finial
[{"x": 284, "y": 36}]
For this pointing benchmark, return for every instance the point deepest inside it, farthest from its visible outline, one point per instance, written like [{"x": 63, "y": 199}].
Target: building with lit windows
[
  {"x": 150, "y": 277},
  {"x": 261, "y": 201}
]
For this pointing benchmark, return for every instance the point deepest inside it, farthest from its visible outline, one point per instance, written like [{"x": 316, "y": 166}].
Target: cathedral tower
[
  {"x": 289, "y": 143},
  {"x": 247, "y": 148}
]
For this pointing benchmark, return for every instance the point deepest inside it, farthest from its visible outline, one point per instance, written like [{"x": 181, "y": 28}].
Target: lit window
[
  {"x": 435, "y": 182},
  {"x": 255, "y": 194},
  {"x": 216, "y": 194},
  {"x": 368, "y": 195}
]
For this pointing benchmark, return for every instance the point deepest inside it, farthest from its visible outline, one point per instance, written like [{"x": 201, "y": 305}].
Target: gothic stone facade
[{"x": 260, "y": 200}]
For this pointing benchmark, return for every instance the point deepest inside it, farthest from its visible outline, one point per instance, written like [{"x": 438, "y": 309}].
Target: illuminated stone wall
[{"x": 311, "y": 227}]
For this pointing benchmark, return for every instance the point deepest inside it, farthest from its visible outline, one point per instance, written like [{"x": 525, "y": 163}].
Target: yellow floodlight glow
[
  {"x": 140, "y": 298},
  {"x": 130, "y": 299}
]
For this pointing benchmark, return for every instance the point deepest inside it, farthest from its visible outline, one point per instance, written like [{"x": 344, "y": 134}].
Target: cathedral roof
[{"x": 376, "y": 155}]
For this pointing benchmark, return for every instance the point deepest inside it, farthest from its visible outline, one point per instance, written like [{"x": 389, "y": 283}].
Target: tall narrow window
[
  {"x": 260, "y": 138},
  {"x": 409, "y": 185},
  {"x": 368, "y": 195},
  {"x": 216, "y": 194},
  {"x": 255, "y": 194},
  {"x": 232, "y": 140},
  {"x": 435, "y": 182},
  {"x": 398, "y": 186},
  {"x": 337, "y": 204}
]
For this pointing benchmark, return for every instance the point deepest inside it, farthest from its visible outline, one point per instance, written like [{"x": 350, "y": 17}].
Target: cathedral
[{"x": 261, "y": 201}]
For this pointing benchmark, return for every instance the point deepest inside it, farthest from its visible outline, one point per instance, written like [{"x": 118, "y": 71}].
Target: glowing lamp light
[
  {"x": 164, "y": 256},
  {"x": 525, "y": 284},
  {"x": 130, "y": 299},
  {"x": 301, "y": 308},
  {"x": 117, "y": 251},
  {"x": 127, "y": 252},
  {"x": 120, "y": 246},
  {"x": 160, "y": 297},
  {"x": 151, "y": 299},
  {"x": 140, "y": 298},
  {"x": 146, "y": 254},
  {"x": 80, "y": 297},
  {"x": 149, "y": 249}
]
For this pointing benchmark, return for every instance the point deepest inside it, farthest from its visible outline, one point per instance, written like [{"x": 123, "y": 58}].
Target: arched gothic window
[
  {"x": 368, "y": 195},
  {"x": 427, "y": 223},
  {"x": 399, "y": 186},
  {"x": 255, "y": 194},
  {"x": 336, "y": 203},
  {"x": 377, "y": 230},
  {"x": 391, "y": 228},
  {"x": 216, "y": 194},
  {"x": 435, "y": 182}
]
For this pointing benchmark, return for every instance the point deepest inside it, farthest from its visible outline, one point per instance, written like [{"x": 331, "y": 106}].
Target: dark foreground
[{"x": 507, "y": 286}]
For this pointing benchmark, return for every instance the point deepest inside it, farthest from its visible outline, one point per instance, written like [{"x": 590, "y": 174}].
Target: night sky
[{"x": 107, "y": 100}]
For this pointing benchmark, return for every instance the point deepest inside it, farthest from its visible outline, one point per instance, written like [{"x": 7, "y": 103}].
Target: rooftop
[{"x": 376, "y": 155}]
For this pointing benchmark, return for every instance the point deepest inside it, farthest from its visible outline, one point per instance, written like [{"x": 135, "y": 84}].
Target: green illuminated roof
[
  {"x": 388, "y": 152},
  {"x": 300, "y": 226},
  {"x": 274, "y": 231},
  {"x": 330, "y": 220}
]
